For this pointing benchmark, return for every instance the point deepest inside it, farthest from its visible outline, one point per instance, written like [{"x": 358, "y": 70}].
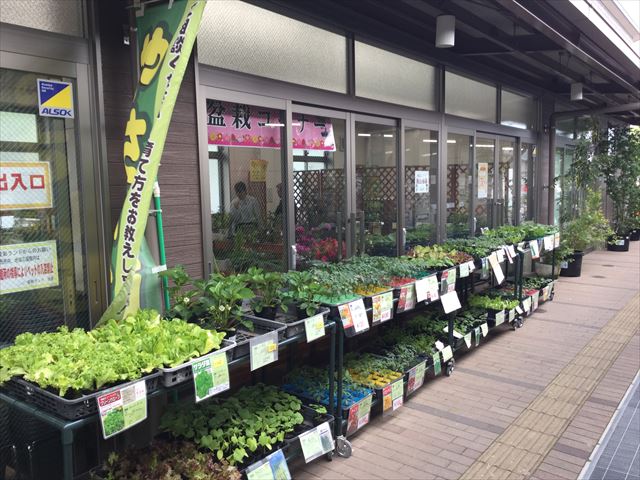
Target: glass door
[
  {"x": 376, "y": 199},
  {"x": 319, "y": 141},
  {"x": 506, "y": 195},
  {"x": 485, "y": 150},
  {"x": 458, "y": 184},
  {"x": 528, "y": 155}
]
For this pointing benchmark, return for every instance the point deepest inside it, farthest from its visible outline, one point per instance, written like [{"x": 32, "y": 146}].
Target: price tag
[
  {"x": 359, "y": 315},
  {"x": 422, "y": 289},
  {"x": 456, "y": 334},
  {"x": 556, "y": 239},
  {"x": 450, "y": 302},
  {"x": 500, "y": 255},
  {"x": 392, "y": 396},
  {"x": 477, "y": 335},
  {"x": 263, "y": 350},
  {"x": 382, "y": 307},
  {"x": 416, "y": 376},
  {"x": 439, "y": 345},
  {"x": 545, "y": 293},
  {"x": 448, "y": 281},
  {"x": 432, "y": 288},
  {"x": 273, "y": 467},
  {"x": 526, "y": 304},
  {"x": 447, "y": 353},
  {"x": 471, "y": 265},
  {"x": 485, "y": 268},
  {"x": 564, "y": 264},
  {"x": 548, "y": 242},
  {"x": 519, "y": 310},
  {"x": 359, "y": 415},
  {"x": 407, "y": 299},
  {"x": 345, "y": 316},
  {"x": 497, "y": 269},
  {"x": 314, "y": 327},
  {"x": 512, "y": 314},
  {"x": 437, "y": 368},
  {"x": 467, "y": 340},
  {"x": 464, "y": 270},
  {"x": 210, "y": 375},
  {"x": 316, "y": 442},
  {"x": 499, "y": 317},
  {"x": 535, "y": 249},
  {"x": 512, "y": 251},
  {"x": 620, "y": 242},
  {"x": 485, "y": 329},
  {"x": 536, "y": 301},
  {"x": 122, "y": 408},
  {"x": 508, "y": 254}
]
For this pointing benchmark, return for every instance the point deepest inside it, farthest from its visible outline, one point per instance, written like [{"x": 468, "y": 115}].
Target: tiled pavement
[{"x": 528, "y": 404}]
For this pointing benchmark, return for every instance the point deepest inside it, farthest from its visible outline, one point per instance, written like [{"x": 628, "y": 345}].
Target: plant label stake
[
  {"x": 210, "y": 375},
  {"x": 450, "y": 302},
  {"x": 263, "y": 350},
  {"x": 273, "y": 467},
  {"x": 314, "y": 327},
  {"x": 122, "y": 408},
  {"x": 416, "y": 376}
]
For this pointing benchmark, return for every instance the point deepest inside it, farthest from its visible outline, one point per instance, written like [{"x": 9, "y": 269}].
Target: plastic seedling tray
[
  {"x": 182, "y": 373},
  {"x": 292, "y": 324},
  {"x": 260, "y": 327},
  {"x": 69, "y": 409}
]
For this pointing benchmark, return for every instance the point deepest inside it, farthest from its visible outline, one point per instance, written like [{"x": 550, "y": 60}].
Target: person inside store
[
  {"x": 279, "y": 209},
  {"x": 244, "y": 213}
]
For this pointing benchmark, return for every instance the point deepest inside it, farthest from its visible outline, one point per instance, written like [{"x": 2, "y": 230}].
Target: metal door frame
[{"x": 443, "y": 178}]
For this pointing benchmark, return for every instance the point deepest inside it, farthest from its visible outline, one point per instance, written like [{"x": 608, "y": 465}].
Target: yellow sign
[
  {"x": 258, "y": 171},
  {"x": 25, "y": 185}
]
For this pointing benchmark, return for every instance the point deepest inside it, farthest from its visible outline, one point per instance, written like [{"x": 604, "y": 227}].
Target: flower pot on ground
[
  {"x": 544, "y": 269},
  {"x": 634, "y": 236},
  {"x": 618, "y": 243},
  {"x": 572, "y": 266}
]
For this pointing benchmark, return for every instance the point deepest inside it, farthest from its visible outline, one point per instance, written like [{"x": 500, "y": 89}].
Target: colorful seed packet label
[
  {"x": 122, "y": 408},
  {"x": 407, "y": 299},
  {"x": 210, "y": 375},
  {"x": 437, "y": 367},
  {"x": 415, "y": 376},
  {"x": 382, "y": 307},
  {"x": 359, "y": 315},
  {"x": 359, "y": 414},
  {"x": 273, "y": 467}
]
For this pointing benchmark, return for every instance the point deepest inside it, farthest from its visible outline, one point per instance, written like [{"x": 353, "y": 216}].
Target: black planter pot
[
  {"x": 574, "y": 268},
  {"x": 268, "y": 312},
  {"x": 621, "y": 244},
  {"x": 634, "y": 236}
]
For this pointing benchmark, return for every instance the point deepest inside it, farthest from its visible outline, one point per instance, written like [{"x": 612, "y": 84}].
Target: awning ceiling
[{"x": 535, "y": 46}]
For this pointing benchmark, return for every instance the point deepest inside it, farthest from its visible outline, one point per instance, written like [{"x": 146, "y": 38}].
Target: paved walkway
[{"x": 528, "y": 404}]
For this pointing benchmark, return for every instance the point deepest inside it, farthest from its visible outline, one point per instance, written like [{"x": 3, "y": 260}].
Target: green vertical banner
[{"x": 166, "y": 34}]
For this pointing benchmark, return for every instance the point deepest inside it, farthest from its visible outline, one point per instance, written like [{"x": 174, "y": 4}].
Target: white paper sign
[
  {"x": 464, "y": 270},
  {"x": 526, "y": 304},
  {"x": 483, "y": 179},
  {"x": 447, "y": 353},
  {"x": 439, "y": 345},
  {"x": 495, "y": 266},
  {"x": 422, "y": 181},
  {"x": 499, "y": 318},
  {"x": 512, "y": 251},
  {"x": 450, "y": 302},
  {"x": 359, "y": 315},
  {"x": 485, "y": 329},
  {"x": 535, "y": 249},
  {"x": 467, "y": 340},
  {"x": 28, "y": 266},
  {"x": 508, "y": 254},
  {"x": 25, "y": 185},
  {"x": 548, "y": 242},
  {"x": 422, "y": 290},
  {"x": 471, "y": 265},
  {"x": 500, "y": 255}
]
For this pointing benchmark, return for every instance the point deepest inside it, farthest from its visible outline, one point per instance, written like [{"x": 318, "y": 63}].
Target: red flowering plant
[{"x": 318, "y": 244}]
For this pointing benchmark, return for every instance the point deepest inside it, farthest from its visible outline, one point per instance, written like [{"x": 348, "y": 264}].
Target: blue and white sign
[{"x": 55, "y": 99}]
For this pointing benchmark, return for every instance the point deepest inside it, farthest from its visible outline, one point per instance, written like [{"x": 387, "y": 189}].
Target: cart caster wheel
[
  {"x": 343, "y": 447},
  {"x": 520, "y": 322},
  {"x": 329, "y": 456},
  {"x": 450, "y": 368},
  {"x": 514, "y": 325}
]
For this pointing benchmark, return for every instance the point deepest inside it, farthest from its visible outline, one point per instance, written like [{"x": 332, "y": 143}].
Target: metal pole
[
  {"x": 160, "y": 232},
  {"x": 340, "y": 333},
  {"x": 332, "y": 367}
]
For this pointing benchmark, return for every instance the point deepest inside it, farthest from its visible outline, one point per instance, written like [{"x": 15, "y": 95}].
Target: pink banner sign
[
  {"x": 313, "y": 133},
  {"x": 240, "y": 125}
]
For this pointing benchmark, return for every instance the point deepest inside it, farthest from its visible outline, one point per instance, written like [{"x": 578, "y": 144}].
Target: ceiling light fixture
[
  {"x": 576, "y": 91},
  {"x": 445, "y": 31}
]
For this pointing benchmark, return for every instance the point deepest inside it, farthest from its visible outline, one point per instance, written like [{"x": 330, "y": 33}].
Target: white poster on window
[
  {"x": 25, "y": 185},
  {"x": 483, "y": 179},
  {"x": 422, "y": 181},
  {"x": 28, "y": 266}
]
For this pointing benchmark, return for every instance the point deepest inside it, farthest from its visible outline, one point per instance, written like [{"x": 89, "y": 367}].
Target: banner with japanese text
[{"x": 166, "y": 34}]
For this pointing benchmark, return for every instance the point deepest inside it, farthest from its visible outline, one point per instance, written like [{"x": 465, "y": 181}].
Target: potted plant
[
  {"x": 267, "y": 286},
  {"x": 301, "y": 291},
  {"x": 590, "y": 230}
]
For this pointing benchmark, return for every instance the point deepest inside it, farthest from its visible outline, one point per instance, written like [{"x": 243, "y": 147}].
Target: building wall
[{"x": 179, "y": 174}]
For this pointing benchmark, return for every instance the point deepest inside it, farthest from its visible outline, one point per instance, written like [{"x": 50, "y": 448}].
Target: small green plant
[
  {"x": 302, "y": 290},
  {"x": 267, "y": 286},
  {"x": 492, "y": 303}
]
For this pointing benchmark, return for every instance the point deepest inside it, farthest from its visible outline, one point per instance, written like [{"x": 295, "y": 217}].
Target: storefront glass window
[
  {"x": 376, "y": 188},
  {"x": 485, "y": 155},
  {"x": 420, "y": 186},
  {"x": 528, "y": 155},
  {"x": 506, "y": 171},
  {"x": 517, "y": 111},
  {"x": 247, "y": 194},
  {"x": 319, "y": 188},
  {"x": 42, "y": 266},
  {"x": 459, "y": 162},
  {"x": 469, "y": 98}
]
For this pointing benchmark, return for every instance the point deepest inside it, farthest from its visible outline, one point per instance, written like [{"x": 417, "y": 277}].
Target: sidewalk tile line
[{"x": 551, "y": 412}]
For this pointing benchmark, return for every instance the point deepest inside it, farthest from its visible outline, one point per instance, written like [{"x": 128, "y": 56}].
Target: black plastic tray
[
  {"x": 74, "y": 409},
  {"x": 182, "y": 373},
  {"x": 293, "y": 327}
]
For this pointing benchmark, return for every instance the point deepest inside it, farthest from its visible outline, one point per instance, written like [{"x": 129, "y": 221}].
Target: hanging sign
[
  {"x": 436, "y": 364},
  {"x": 392, "y": 396},
  {"x": 447, "y": 353},
  {"x": 422, "y": 181},
  {"x": 448, "y": 281},
  {"x": 477, "y": 334},
  {"x": 240, "y": 125},
  {"x": 450, "y": 302},
  {"x": 427, "y": 289},
  {"x": 545, "y": 293},
  {"x": 55, "y": 99},
  {"x": 210, "y": 375},
  {"x": 263, "y": 350},
  {"x": 535, "y": 249},
  {"x": 485, "y": 268},
  {"x": 496, "y": 268},
  {"x": 464, "y": 270},
  {"x": 407, "y": 299},
  {"x": 484, "y": 328},
  {"x": 28, "y": 266},
  {"x": 316, "y": 442},
  {"x": 500, "y": 255},
  {"x": 512, "y": 251},
  {"x": 512, "y": 314},
  {"x": 258, "y": 170},
  {"x": 314, "y": 327},
  {"x": 359, "y": 415},
  {"x": 467, "y": 340},
  {"x": 416, "y": 376},
  {"x": 535, "y": 301},
  {"x": 499, "y": 317},
  {"x": 556, "y": 240},
  {"x": 359, "y": 315},
  {"x": 548, "y": 242},
  {"x": 122, "y": 408},
  {"x": 25, "y": 185},
  {"x": 526, "y": 304},
  {"x": 382, "y": 307},
  {"x": 313, "y": 133},
  {"x": 508, "y": 254},
  {"x": 483, "y": 179},
  {"x": 273, "y": 467}
]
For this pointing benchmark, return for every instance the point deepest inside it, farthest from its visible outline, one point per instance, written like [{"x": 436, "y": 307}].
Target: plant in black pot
[
  {"x": 301, "y": 292},
  {"x": 268, "y": 289}
]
